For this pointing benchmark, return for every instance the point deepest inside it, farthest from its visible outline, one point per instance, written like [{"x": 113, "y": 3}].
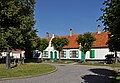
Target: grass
[
  {"x": 100, "y": 64},
  {"x": 117, "y": 77},
  {"x": 27, "y": 69}
]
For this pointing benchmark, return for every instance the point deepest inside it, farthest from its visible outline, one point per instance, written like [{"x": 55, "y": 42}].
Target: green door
[
  {"x": 55, "y": 56},
  {"x": 51, "y": 55},
  {"x": 82, "y": 56}
]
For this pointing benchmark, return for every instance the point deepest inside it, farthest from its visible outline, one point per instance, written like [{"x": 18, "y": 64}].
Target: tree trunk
[
  {"x": 116, "y": 57},
  {"x": 41, "y": 56},
  {"x": 59, "y": 56},
  {"x": 84, "y": 57}
]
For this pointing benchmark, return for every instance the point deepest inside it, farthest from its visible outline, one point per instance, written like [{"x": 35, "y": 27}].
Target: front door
[
  {"x": 55, "y": 56},
  {"x": 51, "y": 55}
]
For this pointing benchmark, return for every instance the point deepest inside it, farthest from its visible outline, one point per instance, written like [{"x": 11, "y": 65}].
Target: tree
[
  {"x": 16, "y": 24},
  {"x": 3, "y": 42},
  {"x": 85, "y": 41},
  {"x": 111, "y": 20},
  {"x": 41, "y": 44},
  {"x": 59, "y": 43}
]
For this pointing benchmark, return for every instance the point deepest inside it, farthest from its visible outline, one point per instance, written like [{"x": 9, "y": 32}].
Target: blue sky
[{"x": 58, "y": 16}]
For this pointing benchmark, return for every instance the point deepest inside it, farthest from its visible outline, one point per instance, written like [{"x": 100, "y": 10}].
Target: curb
[{"x": 24, "y": 77}]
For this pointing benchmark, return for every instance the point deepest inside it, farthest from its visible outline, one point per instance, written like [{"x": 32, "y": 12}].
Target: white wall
[{"x": 99, "y": 53}]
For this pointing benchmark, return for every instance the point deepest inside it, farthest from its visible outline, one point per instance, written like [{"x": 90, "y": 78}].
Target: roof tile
[{"x": 101, "y": 40}]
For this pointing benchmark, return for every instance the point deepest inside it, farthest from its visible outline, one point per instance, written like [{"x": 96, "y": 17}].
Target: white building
[
  {"x": 16, "y": 54},
  {"x": 71, "y": 51}
]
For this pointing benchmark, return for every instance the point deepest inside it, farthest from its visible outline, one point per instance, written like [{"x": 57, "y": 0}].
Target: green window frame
[
  {"x": 64, "y": 54},
  {"x": 77, "y": 53},
  {"x": 70, "y": 54},
  {"x": 92, "y": 53},
  {"x": 74, "y": 53}
]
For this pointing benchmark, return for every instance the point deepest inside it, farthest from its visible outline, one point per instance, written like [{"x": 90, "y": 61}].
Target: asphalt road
[{"x": 71, "y": 74}]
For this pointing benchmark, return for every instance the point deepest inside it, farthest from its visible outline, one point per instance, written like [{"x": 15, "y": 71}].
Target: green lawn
[{"x": 26, "y": 69}]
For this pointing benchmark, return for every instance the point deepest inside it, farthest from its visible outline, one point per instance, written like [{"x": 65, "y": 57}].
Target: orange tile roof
[
  {"x": 72, "y": 41},
  {"x": 101, "y": 40},
  {"x": 18, "y": 51}
]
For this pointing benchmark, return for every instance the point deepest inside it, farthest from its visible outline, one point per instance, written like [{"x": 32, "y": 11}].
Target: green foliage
[
  {"x": 3, "y": 42},
  {"x": 113, "y": 43},
  {"x": 111, "y": 20},
  {"x": 16, "y": 24},
  {"x": 41, "y": 44},
  {"x": 59, "y": 43},
  {"x": 86, "y": 41}
]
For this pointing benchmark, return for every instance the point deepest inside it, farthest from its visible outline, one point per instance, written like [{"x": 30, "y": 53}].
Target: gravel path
[{"x": 71, "y": 74}]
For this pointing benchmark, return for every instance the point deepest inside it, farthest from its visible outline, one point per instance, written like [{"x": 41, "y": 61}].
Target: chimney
[
  {"x": 99, "y": 29},
  {"x": 71, "y": 32},
  {"x": 47, "y": 34}
]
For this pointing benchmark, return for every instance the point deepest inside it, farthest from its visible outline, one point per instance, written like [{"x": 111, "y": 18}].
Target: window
[
  {"x": 45, "y": 54},
  {"x": 92, "y": 53},
  {"x": 63, "y": 54},
  {"x": 74, "y": 54}
]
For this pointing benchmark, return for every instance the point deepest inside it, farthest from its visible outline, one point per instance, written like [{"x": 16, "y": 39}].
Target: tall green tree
[
  {"x": 111, "y": 20},
  {"x": 41, "y": 44},
  {"x": 3, "y": 42},
  {"x": 59, "y": 43},
  {"x": 17, "y": 24},
  {"x": 85, "y": 41}
]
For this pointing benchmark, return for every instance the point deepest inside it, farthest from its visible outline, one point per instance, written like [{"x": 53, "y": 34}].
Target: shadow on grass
[
  {"x": 100, "y": 76},
  {"x": 35, "y": 60},
  {"x": 14, "y": 66}
]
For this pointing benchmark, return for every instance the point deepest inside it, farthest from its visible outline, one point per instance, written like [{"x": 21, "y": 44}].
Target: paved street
[{"x": 71, "y": 74}]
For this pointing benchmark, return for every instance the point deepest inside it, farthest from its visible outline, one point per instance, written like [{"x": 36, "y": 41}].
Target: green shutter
[
  {"x": 77, "y": 53},
  {"x": 92, "y": 53},
  {"x": 64, "y": 54},
  {"x": 70, "y": 54}
]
